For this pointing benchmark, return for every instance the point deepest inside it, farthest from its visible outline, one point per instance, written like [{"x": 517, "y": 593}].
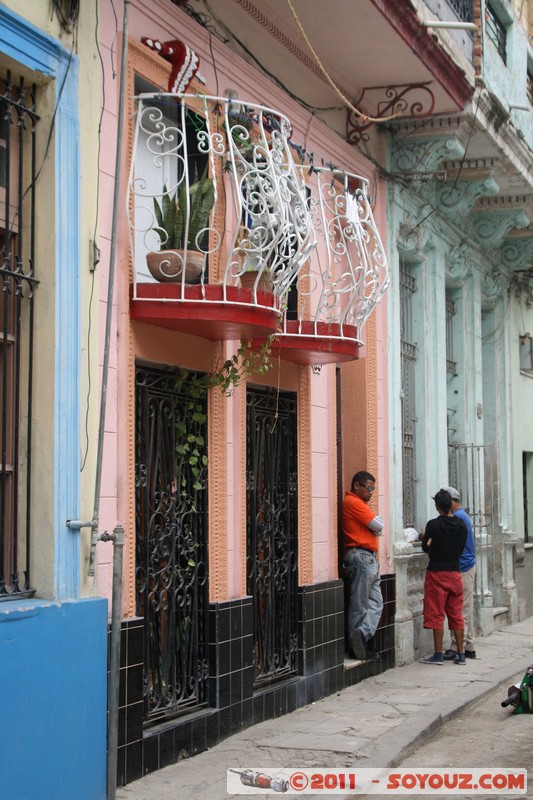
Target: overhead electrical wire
[{"x": 380, "y": 168}]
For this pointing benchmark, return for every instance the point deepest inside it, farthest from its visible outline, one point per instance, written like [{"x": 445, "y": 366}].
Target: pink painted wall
[{"x": 165, "y": 21}]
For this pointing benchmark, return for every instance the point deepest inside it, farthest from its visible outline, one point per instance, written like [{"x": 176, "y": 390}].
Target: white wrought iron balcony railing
[
  {"x": 214, "y": 200},
  {"x": 333, "y": 295}
]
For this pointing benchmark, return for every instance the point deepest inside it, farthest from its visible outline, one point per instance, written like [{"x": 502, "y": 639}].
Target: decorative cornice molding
[
  {"x": 484, "y": 105},
  {"x": 491, "y": 228},
  {"x": 517, "y": 253},
  {"x": 503, "y": 132},
  {"x": 492, "y": 289},
  {"x": 459, "y": 264},
  {"x": 469, "y": 168},
  {"x": 424, "y": 155},
  {"x": 504, "y": 202},
  {"x": 439, "y": 125},
  {"x": 458, "y": 199},
  {"x": 412, "y": 239}
]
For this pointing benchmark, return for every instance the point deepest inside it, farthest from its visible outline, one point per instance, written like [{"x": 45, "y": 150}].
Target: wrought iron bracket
[{"x": 406, "y": 100}]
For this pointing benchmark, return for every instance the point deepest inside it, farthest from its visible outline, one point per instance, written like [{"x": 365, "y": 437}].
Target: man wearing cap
[
  {"x": 444, "y": 540},
  {"x": 361, "y": 529},
  {"x": 467, "y": 562}
]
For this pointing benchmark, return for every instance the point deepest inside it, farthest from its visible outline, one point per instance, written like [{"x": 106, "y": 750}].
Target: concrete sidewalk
[{"x": 375, "y": 723}]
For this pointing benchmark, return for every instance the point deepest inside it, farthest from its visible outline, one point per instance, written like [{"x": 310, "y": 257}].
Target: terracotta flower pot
[
  {"x": 264, "y": 284},
  {"x": 166, "y": 266}
]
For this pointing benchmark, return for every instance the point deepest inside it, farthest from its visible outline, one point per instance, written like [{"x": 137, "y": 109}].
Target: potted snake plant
[{"x": 182, "y": 221}]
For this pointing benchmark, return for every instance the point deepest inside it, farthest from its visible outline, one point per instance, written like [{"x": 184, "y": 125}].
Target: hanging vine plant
[
  {"x": 190, "y": 442},
  {"x": 242, "y": 365}
]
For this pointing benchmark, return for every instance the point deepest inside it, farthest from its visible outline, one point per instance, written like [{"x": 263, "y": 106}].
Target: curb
[{"x": 416, "y": 729}]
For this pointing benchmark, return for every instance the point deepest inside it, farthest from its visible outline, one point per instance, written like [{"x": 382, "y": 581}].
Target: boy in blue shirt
[{"x": 468, "y": 573}]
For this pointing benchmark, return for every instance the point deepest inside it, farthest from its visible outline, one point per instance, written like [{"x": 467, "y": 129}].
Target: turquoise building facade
[{"x": 460, "y": 239}]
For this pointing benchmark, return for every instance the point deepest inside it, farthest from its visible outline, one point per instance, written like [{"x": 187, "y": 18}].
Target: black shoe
[
  {"x": 359, "y": 644},
  {"x": 470, "y": 653},
  {"x": 449, "y": 655},
  {"x": 371, "y": 656}
]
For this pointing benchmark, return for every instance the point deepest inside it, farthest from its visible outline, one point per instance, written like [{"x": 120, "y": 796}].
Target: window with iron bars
[
  {"x": 529, "y": 86},
  {"x": 18, "y": 125},
  {"x": 451, "y": 364},
  {"x": 408, "y": 361},
  {"x": 527, "y": 485},
  {"x": 463, "y": 8},
  {"x": 496, "y": 32}
]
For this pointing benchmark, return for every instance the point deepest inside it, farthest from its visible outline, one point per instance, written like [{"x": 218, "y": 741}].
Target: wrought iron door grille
[
  {"x": 18, "y": 126},
  {"x": 473, "y": 469},
  {"x": 408, "y": 362},
  {"x": 171, "y": 541},
  {"x": 272, "y": 531}
]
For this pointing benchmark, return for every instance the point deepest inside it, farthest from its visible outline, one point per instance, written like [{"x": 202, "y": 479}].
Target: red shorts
[{"x": 443, "y": 596}]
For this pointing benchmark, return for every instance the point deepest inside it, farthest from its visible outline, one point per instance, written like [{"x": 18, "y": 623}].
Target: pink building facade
[{"x": 226, "y": 463}]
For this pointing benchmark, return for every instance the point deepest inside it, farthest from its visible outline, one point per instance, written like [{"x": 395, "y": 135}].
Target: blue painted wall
[
  {"x": 53, "y": 653},
  {"x": 53, "y": 675}
]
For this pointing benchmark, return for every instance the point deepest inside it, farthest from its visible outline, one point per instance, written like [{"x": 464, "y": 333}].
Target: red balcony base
[
  {"x": 206, "y": 311},
  {"x": 305, "y": 343}
]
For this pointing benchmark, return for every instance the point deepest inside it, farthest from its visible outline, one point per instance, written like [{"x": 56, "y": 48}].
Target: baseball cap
[
  {"x": 442, "y": 499},
  {"x": 454, "y": 493}
]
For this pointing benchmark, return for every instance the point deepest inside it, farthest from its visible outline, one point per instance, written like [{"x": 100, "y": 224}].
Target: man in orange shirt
[{"x": 360, "y": 529}]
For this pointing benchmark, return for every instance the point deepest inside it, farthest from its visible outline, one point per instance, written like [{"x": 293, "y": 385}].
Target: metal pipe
[
  {"x": 91, "y": 569},
  {"x": 118, "y": 533},
  {"x": 77, "y": 524},
  {"x": 114, "y": 661},
  {"x": 453, "y": 26},
  {"x": 111, "y": 280}
]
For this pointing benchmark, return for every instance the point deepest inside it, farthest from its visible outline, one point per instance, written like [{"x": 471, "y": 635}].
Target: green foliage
[
  {"x": 190, "y": 443},
  {"x": 191, "y": 206},
  {"x": 244, "y": 363},
  {"x": 191, "y": 458}
]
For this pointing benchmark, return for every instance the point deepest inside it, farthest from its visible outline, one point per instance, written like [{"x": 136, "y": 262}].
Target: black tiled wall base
[{"x": 233, "y": 703}]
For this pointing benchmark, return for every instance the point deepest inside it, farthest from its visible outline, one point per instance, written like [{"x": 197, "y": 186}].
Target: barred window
[
  {"x": 463, "y": 9},
  {"x": 496, "y": 32},
  {"x": 409, "y": 354},
  {"x": 18, "y": 122},
  {"x": 451, "y": 365},
  {"x": 529, "y": 86}
]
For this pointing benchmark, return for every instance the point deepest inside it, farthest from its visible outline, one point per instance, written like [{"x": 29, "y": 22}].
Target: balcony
[
  {"x": 332, "y": 296},
  {"x": 219, "y": 223},
  {"x": 231, "y": 239}
]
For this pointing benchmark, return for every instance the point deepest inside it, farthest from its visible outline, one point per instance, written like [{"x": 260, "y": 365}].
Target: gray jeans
[{"x": 366, "y": 600}]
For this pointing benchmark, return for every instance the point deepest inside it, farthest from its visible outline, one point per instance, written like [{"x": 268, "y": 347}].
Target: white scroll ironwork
[
  {"x": 347, "y": 273},
  {"x": 194, "y": 155}
]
